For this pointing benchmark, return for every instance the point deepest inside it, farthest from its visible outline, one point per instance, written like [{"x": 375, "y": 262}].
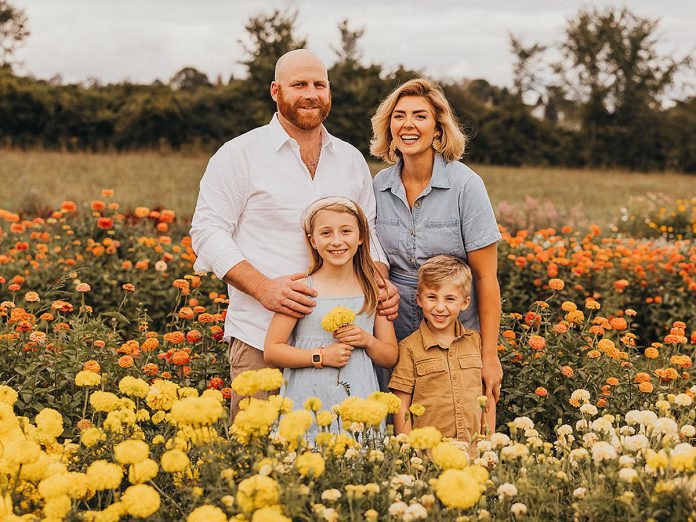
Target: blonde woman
[{"x": 428, "y": 203}]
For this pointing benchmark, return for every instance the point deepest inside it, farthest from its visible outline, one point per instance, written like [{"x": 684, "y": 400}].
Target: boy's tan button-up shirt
[{"x": 446, "y": 380}]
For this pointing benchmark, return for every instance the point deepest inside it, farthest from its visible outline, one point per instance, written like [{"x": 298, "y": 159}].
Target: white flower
[
  {"x": 564, "y": 430},
  {"x": 579, "y": 492},
  {"x": 331, "y": 495},
  {"x": 588, "y": 409},
  {"x": 580, "y": 395},
  {"x": 578, "y": 454},
  {"x": 484, "y": 514},
  {"x": 581, "y": 425},
  {"x": 683, "y": 400},
  {"x": 414, "y": 512},
  {"x": 517, "y": 450},
  {"x": 161, "y": 266},
  {"x": 397, "y": 508},
  {"x": 602, "y": 424},
  {"x": 483, "y": 446},
  {"x": 635, "y": 443},
  {"x": 488, "y": 459},
  {"x": 687, "y": 431},
  {"x": 626, "y": 461},
  {"x": 536, "y": 442},
  {"x": 603, "y": 451},
  {"x": 523, "y": 423},
  {"x": 351, "y": 453},
  {"x": 499, "y": 440},
  {"x": 589, "y": 439},
  {"x": 506, "y": 490},
  {"x": 518, "y": 509},
  {"x": 626, "y": 430},
  {"x": 662, "y": 405},
  {"x": 646, "y": 418},
  {"x": 665, "y": 426},
  {"x": 628, "y": 474}
]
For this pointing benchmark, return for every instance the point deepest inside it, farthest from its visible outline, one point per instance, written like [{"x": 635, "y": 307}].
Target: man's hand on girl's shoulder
[
  {"x": 388, "y": 299},
  {"x": 289, "y": 295}
]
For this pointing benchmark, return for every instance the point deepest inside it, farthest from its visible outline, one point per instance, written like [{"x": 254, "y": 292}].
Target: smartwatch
[{"x": 318, "y": 358}]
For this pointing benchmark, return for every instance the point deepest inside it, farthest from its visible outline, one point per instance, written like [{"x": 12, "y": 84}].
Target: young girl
[{"x": 317, "y": 363}]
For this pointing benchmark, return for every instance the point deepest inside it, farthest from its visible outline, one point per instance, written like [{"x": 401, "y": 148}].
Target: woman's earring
[{"x": 437, "y": 144}]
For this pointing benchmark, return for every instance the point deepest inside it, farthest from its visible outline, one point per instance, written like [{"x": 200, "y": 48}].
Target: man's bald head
[{"x": 298, "y": 60}]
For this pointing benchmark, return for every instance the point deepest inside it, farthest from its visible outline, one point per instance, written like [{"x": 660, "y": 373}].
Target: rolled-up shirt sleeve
[
  {"x": 367, "y": 203},
  {"x": 403, "y": 377},
  {"x": 221, "y": 200}
]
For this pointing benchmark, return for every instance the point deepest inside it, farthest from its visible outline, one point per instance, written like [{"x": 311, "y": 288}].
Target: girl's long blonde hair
[{"x": 363, "y": 265}]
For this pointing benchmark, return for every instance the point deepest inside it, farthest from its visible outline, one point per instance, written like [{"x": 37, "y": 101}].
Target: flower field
[{"x": 114, "y": 389}]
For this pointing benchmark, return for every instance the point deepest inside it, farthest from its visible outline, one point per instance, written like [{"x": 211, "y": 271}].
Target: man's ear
[{"x": 274, "y": 91}]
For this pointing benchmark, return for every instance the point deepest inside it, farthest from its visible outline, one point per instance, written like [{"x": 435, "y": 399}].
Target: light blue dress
[{"x": 332, "y": 385}]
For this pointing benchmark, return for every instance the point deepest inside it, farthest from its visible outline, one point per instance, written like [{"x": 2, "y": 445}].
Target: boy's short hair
[{"x": 445, "y": 269}]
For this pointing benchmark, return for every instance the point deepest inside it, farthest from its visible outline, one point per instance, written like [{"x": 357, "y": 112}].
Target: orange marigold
[
  {"x": 651, "y": 353},
  {"x": 612, "y": 381},
  {"x": 174, "y": 337},
  {"x": 150, "y": 369},
  {"x": 149, "y": 345},
  {"x": 126, "y": 361},
  {"x": 642, "y": 377},
  {"x": 92, "y": 366},
  {"x": 567, "y": 371},
  {"x": 193, "y": 336},
  {"x": 618, "y": 323},
  {"x": 537, "y": 342},
  {"x": 556, "y": 284},
  {"x": 593, "y": 354},
  {"x": 180, "y": 358},
  {"x": 206, "y": 318},
  {"x": 646, "y": 387},
  {"x": 186, "y": 312},
  {"x": 541, "y": 392},
  {"x": 128, "y": 287}
]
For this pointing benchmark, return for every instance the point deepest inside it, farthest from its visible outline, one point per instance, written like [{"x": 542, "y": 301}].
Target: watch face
[{"x": 316, "y": 358}]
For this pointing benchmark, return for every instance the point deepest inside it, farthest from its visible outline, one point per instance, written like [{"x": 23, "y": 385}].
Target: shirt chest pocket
[
  {"x": 389, "y": 232},
  {"x": 442, "y": 237},
  {"x": 470, "y": 368},
  {"x": 429, "y": 366}
]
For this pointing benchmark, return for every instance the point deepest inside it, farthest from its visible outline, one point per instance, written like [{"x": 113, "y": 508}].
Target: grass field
[{"x": 34, "y": 181}]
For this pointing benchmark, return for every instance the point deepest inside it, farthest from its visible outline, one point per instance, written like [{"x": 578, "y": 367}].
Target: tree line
[{"x": 602, "y": 104}]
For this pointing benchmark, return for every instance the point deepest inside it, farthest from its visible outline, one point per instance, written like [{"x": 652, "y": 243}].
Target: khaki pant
[{"x": 244, "y": 357}]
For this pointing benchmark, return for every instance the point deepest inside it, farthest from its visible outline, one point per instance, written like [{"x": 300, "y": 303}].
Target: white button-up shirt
[{"x": 250, "y": 205}]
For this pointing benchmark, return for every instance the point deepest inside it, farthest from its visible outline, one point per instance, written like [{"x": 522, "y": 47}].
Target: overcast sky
[{"x": 144, "y": 40}]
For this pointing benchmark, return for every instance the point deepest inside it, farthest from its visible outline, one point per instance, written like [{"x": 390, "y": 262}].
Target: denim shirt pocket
[
  {"x": 389, "y": 232},
  {"x": 442, "y": 237}
]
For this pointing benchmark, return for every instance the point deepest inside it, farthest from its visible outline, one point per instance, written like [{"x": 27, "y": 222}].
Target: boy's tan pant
[{"x": 244, "y": 357}]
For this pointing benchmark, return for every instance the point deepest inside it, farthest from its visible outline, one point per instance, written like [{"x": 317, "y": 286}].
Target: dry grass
[{"x": 39, "y": 180}]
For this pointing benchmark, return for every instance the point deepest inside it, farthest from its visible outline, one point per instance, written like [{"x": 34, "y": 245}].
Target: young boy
[{"x": 440, "y": 363}]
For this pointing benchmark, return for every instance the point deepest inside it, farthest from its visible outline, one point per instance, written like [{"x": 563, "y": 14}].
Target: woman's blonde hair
[
  {"x": 452, "y": 139},
  {"x": 364, "y": 266}
]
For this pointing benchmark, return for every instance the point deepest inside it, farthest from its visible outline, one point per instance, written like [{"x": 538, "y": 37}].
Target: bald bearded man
[{"x": 246, "y": 226}]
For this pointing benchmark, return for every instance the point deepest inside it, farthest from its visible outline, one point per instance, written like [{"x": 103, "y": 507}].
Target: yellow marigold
[
  {"x": 207, "y": 513},
  {"x": 55, "y": 485},
  {"x": 449, "y": 456},
  {"x": 256, "y": 420},
  {"x": 424, "y": 438},
  {"x": 104, "y": 475},
  {"x": 568, "y": 306},
  {"x": 87, "y": 378},
  {"x": 336, "y": 318},
  {"x": 104, "y": 401},
  {"x": 142, "y": 471},
  {"x": 269, "y": 514},
  {"x": 257, "y": 492},
  {"x": 556, "y": 284},
  {"x": 282, "y": 404},
  {"x": 324, "y": 418},
  {"x": 49, "y": 422},
  {"x": 575, "y": 316},
  {"x": 312, "y": 404},
  {"x": 7, "y": 395},
  {"x": 57, "y": 508},
  {"x": 310, "y": 465},
  {"x": 246, "y": 383},
  {"x": 365, "y": 411},
  {"x": 174, "y": 461},
  {"x": 391, "y": 401},
  {"x": 141, "y": 501},
  {"x": 458, "y": 488},
  {"x": 133, "y": 386},
  {"x": 91, "y": 436},
  {"x": 21, "y": 451},
  {"x": 131, "y": 451},
  {"x": 417, "y": 409},
  {"x": 294, "y": 425},
  {"x": 269, "y": 379},
  {"x": 197, "y": 411},
  {"x": 162, "y": 395}
]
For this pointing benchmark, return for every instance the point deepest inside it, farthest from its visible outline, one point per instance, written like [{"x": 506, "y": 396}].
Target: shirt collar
[
  {"x": 279, "y": 136},
  {"x": 439, "y": 179},
  {"x": 430, "y": 341}
]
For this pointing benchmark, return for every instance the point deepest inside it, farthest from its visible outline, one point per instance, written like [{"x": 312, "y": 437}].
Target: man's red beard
[{"x": 302, "y": 119}]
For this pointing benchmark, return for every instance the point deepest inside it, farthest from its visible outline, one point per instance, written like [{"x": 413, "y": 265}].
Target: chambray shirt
[{"x": 452, "y": 215}]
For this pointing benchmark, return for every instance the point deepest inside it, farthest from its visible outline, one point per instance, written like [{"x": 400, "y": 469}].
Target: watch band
[{"x": 318, "y": 357}]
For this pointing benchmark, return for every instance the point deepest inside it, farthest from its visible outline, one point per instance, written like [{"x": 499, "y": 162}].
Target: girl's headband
[{"x": 321, "y": 204}]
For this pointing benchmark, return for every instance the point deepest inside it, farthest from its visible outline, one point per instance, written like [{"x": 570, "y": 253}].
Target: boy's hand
[
  {"x": 337, "y": 355},
  {"x": 354, "y": 336}
]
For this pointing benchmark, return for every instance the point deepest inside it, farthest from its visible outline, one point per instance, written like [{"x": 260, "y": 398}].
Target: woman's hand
[
  {"x": 337, "y": 355},
  {"x": 354, "y": 336}
]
